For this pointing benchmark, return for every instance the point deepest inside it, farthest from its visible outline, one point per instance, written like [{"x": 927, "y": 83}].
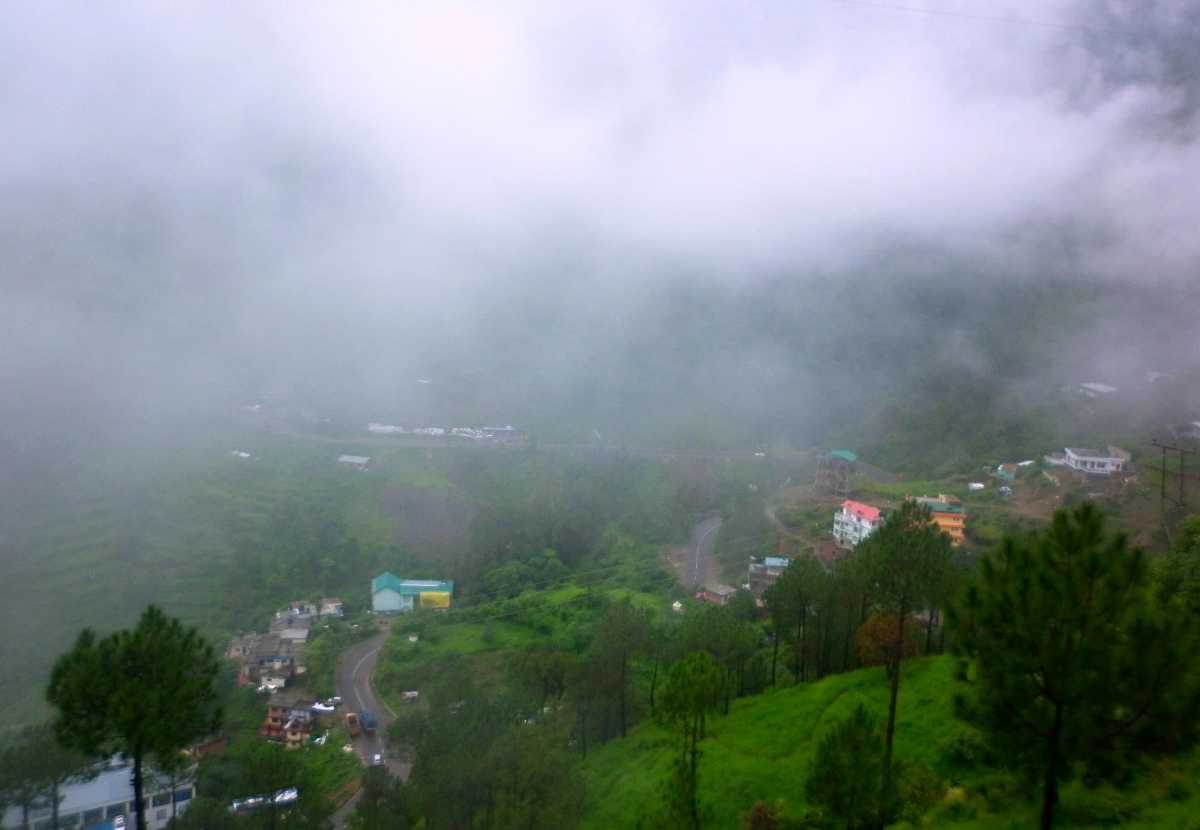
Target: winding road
[
  {"x": 353, "y": 683},
  {"x": 700, "y": 550}
]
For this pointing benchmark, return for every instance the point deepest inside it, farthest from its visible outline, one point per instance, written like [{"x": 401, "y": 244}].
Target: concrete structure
[
  {"x": 1096, "y": 390},
  {"x": 719, "y": 594},
  {"x": 392, "y": 595},
  {"x": 103, "y": 799},
  {"x": 835, "y": 469},
  {"x": 948, "y": 514},
  {"x": 358, "y": 462},
  {"x": 854, "y": 522},
  {"x": 1095, "y": 462},
  {"x": 764, "y": 572}
]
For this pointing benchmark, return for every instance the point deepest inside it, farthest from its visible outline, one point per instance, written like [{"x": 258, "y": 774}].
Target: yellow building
[{"x": 948, "y": 514}]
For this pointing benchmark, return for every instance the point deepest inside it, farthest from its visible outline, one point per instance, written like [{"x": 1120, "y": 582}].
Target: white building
[
  {"x": 1096, "y": 390},
  {"x": 97, "y": 803},
  {"x": 855, "y": 522},
  {"x": 1095, "y": 462},
  {"x": 360, "y": 462}
]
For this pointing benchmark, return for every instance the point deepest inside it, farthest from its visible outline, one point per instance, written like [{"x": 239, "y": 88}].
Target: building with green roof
[{"x": 392, "y": 595}]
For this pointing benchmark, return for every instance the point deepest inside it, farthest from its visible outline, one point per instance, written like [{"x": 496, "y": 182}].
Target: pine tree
[
  {"x": 1068, "y": 660},
  {"x": 148, "y": 692},
  {"x": 693, "y": 689},
  {"x": 902, "y": 562}
]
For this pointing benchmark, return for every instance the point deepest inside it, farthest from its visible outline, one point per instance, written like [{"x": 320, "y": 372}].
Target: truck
[
  {"x": 352, "y": 725},
  {"x": 368, "y": 722}
]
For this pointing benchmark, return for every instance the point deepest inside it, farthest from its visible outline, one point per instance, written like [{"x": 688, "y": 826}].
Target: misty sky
[{"x": 197, "y": 196}]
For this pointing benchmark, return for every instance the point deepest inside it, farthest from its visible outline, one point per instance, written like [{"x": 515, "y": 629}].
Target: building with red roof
[{"x": 855, "y": 522}]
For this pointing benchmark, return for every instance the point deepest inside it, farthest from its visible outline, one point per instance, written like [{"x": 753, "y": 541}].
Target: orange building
[{"x": 948, "y": 514}]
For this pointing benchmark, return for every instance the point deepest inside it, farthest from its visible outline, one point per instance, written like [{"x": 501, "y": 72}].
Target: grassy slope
[
  {"x": 404, "y": 665},
  {"x": 764, "y": 748}
]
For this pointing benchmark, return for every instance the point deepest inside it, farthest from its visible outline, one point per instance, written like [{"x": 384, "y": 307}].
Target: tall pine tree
[{"x": 1069, "y": 662}]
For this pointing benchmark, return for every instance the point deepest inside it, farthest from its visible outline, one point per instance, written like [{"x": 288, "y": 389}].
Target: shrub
[{"x": 964, "y": 749}]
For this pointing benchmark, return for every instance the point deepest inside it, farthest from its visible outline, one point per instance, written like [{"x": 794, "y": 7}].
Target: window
[
  {"x": 69, "y": 820},
  {"x": 115, "y": 810},
  {"x": 183, "y": 795},
  {"x": 161, "y": 799},
  {"x": 93, "y": 816}
]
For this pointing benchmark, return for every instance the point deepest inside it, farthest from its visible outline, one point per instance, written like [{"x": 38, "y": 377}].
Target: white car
[
  {"x": 376, "y": 760},
  {"x": 334, "y": 701},
  {"x": 323, "y": 708}
]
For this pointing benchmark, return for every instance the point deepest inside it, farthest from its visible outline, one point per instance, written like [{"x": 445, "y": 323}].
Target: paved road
[
  {"x": 353, "y": 682},
  {"x": 704, "y": 539}
]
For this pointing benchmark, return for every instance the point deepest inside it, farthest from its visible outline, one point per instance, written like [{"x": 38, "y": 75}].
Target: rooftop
[
  {"x": 938, "y": 505},
  {"x": 388, "y": 580},
  {"x": 354, "y": 459},
  {"x": 863, "y": 511},
  {"x": 1086, "y": 452},
  {"x": 844, "y": 455},
  {"x": 1102, "y": 388}
]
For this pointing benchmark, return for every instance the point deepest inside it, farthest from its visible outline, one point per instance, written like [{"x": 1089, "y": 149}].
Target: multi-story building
[
  {"x": 100, "y": 801},
  {"x": 855, "y": 522},
  {"x": 948, "y": 514},
  {"x": 764, "y": 572}
]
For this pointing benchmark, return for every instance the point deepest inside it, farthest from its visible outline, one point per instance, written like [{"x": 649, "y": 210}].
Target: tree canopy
[
  {"x": 146, "y": 692},
  {"x": 1069, "y": 661}
]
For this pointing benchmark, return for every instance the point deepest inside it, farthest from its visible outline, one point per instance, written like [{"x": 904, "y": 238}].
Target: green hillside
[{"x": 763, "y": 749}]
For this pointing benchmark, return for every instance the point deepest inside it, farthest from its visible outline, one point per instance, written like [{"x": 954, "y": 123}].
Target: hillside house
[
  {"x": 719, "y": 595},
  {"x": 835, "y": 469},
  {"x": 948, "y": 514},
  {"x": 288, "y": 723},
  {"x": 1094, "y": 390},
  {"x": 764, "y": 572},
  {"x": 392, "y": 595},
  {"x": 357, "y": 462},
  {"x": 107, "y": 800},
  {"x": 1095, "y": 462},
  {"x": 854, "y": 522},
  {"x": 332, "y": 607},
  {"x": 273, "y": 724},
  {"x": 269, "y": 656}
]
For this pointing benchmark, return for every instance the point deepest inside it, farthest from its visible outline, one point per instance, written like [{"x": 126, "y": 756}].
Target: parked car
[
  {"x": 323, "y": 708},
  {"x": 377, "y": 760}
]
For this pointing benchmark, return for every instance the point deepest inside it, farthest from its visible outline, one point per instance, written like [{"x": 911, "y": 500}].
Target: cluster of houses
[
  {"x": 855, "y": 521},
  {"x": 270, "y": 659}
]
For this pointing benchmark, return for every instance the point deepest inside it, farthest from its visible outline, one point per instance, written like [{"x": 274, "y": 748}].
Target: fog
[{"x": 548, "y": 210}]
